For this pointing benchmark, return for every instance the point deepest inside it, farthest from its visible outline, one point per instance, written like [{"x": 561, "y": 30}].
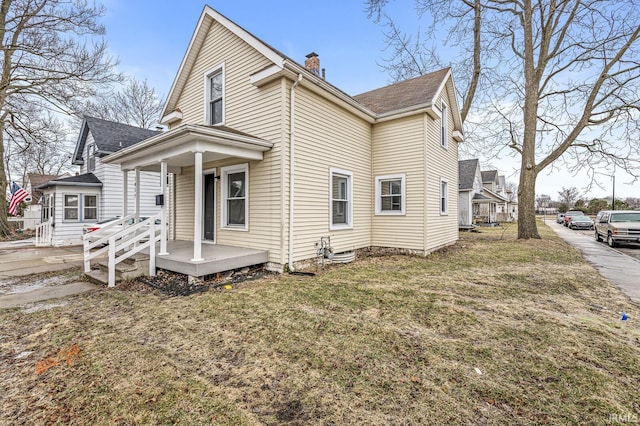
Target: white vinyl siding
[
  {"x": 390, "y": 194},
  {"x": 67, "y": 232},
  {"x": 235, "y": 197}
]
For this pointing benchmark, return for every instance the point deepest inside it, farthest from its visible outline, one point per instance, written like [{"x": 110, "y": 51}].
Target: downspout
[{"x": 292, "y": 166}]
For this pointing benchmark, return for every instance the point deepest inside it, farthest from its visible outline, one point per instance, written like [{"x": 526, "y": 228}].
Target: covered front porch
[{"x": 215, "y": 258}]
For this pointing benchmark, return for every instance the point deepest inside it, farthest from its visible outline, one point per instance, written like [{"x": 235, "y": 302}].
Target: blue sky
[{"x": 151, "y": 37}]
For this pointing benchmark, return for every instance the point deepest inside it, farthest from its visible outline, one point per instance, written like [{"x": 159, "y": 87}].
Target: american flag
[{"x": 17, "y": 195}]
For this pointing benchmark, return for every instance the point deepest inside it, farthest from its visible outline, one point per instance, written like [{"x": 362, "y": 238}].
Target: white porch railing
[
  {"x": 44, "y": 233},
  {"x": 131, "y": 239}
]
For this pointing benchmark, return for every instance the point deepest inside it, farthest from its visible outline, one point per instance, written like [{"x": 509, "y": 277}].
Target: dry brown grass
[{"x": 397, "y": 340}]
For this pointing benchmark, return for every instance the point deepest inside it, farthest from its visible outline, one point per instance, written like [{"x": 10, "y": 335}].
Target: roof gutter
[{"x": 292, "y": 118}]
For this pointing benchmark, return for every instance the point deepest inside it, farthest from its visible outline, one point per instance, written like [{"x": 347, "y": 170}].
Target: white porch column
[
  {"x": 197, "y": 205},
  {"x": 137, "y": 212},
  {"x": 163, "y": 211},
  {"x": 125, "y": 193}
]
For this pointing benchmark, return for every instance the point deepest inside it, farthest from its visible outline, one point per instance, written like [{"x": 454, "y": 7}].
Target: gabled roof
[
  {"x": 87, "y": 179},
  {"x": 416, "y": 91},
  {"x": 467, "y": 170},
  {"x": 489, "y": 176},
  {"x": 108, "y": 136},
  {"x": 407, "y": 96}
]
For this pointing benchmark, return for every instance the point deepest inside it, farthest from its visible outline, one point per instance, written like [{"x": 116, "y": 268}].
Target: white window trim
[
  {"x": 349, "y": 175},
  {"x": 64, "y": 207},
  {"x": 444, "y": 212},
  {"x": 207, "y": 118},
  {"x": 96, "y": 207},
  {"x": 224, "y": 172},
  {"x": 444, "y": 125},
  {"x": 403, "y": 193}
]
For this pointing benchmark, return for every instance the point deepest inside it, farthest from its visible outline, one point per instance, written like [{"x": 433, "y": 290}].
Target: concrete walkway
[
  {"x": 20, "y": 260},
  {"x": 622, "y": 270}
]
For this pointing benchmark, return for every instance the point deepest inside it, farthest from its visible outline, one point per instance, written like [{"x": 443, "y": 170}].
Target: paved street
[{"x": 621, "y": 266}]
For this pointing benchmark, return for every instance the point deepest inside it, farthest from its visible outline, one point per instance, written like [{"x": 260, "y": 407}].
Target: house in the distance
[
  {"x": 95, "y": 193},
  {"x": 268, "y": 157}
]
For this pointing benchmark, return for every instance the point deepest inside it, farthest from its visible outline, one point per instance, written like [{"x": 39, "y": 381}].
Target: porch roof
[{"x": 178, "y": 145}]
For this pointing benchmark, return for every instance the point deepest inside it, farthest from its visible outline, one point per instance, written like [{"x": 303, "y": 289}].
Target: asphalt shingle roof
[
  {"x": 110, "y": 136},
  {"x": 467, "y": 173},
  {"x": 405, "y": 94},
  {"x": 489, "y": 176},
  {"x": 87, "y": 179}
]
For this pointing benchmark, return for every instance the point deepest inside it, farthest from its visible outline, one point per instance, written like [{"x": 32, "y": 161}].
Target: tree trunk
[
  {"x": 527, "y": 227},
  {"x": 4, "y": 223}
]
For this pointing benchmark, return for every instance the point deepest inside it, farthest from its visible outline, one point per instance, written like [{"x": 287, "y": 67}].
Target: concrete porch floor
[{"x": 216, "y": 258}]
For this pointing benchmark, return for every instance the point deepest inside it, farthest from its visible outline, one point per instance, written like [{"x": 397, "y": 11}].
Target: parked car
[
  {"x": 567, "y": 216},
  {"x": 618, "y": 226},
  {"x": 580, "y": 222},
  {"x": 560, "y": 218}
]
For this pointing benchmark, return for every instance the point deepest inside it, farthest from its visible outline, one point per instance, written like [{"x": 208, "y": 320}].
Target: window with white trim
[
  {"x": 235, "y": 196},
  {"x": 444, "y": 196},
  {"x": 215, "y": 96},
  {"x": 390, "y": 194},
  {"x": 91, "y": 158},
  {"x": 444, "y": 126},
  {"x": 90, "y": 207},
  {"x": 341, "y": 195},
  {"x": 71, "y": 206}
]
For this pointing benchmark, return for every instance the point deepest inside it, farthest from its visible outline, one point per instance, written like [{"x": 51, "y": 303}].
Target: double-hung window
[
  {"x": 215, "y": 96},
  {"x": 444, "y": 126},
  {"x": 90, "y": 207},
  {"x": 91, "y": 158},
  {"x": 235, "y": 197},
  {"x": 444, "y": 197},
  {"x": 390, "y": 194},
  {"x": 341, "y": 195},
  {"x": 71, "y": 206}
]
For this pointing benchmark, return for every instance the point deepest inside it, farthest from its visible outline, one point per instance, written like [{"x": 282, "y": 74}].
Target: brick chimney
[{"x": 312, "y": 63}]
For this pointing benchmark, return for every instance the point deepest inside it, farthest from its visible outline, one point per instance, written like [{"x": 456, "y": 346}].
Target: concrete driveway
[
  {"x": 21, "y": 273},
  {"x": 622, "y": 269}
]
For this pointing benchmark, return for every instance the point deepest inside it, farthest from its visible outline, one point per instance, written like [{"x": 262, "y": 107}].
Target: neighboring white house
[
  {"x": 470, "y": 192},
  {"x": 96, "y": 193}
]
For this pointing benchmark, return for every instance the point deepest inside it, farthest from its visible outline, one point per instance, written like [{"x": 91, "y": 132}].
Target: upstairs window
[
  {"x": 91, "y": 158},
  {"x": 215, "y": 96},
  {"x": 444, "y": 126}
]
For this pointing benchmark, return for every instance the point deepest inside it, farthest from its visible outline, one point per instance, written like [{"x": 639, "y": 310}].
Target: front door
[{"x": 209, "y": 207}]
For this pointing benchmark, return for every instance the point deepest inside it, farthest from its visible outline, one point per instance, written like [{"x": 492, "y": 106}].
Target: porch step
[{"x": 133, "y": 267}]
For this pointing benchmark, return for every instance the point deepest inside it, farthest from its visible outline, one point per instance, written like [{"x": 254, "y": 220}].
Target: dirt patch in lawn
[{"x": 490, "y": 331}]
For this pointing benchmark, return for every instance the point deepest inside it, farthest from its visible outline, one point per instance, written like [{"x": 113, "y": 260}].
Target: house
[
  {"x": 470, "y": 193},
  {"x": 96, "y": 192},
  {"x": 265, "y": 154}
]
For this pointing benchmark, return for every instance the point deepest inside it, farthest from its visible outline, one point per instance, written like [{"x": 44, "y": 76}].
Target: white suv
[{"x": 618, "y": 226}]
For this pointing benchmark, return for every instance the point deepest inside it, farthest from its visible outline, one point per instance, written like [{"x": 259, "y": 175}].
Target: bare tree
[
  {"x": 135, "y": 103},
  {"x": 551, "y": 80},
  {"x": 569, "y": 195},
  {"x": 52, "y": 56}
]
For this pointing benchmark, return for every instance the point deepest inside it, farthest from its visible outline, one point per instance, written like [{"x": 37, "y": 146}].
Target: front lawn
[{"x": 489, "y": 331}]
